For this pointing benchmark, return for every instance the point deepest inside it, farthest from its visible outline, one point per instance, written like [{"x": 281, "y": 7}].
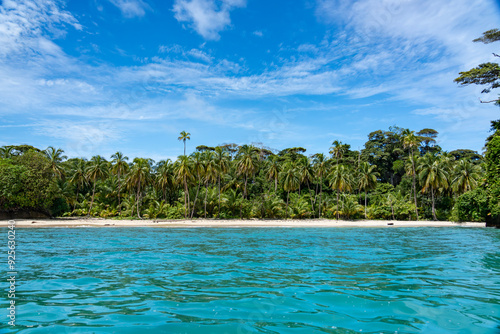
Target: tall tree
[
  {"x": 411, "y": 142},
  {"x": 246, "y": 164},
  {"x": 320, "y": 163},
  {"x": 367, "y": 178},
  {"x": 290, "y": 181},
  {"x": 184, "y": 136},
  {"x": 55, "y": 157},
  {"x": 78, "y": 176},
  {"x": 222, "y": 161},
  {"x": 433, "y": 175},
  {"x": 119, "y": 167},
  {"x": 97, "y": 169},
  {"x": 273, "y": 170},
  {"x": 466, "y": 176},
  {"x": 183, "y": 175},
  {"x": 340, "y": 180},
  {"x": 138, "y": 178}
]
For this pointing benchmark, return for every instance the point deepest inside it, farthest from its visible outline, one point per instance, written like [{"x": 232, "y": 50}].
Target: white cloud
[
  {"x": 131, "y": 8},
  {"x": 206, "y": 17},
  {"x": 258, "y": 33}
]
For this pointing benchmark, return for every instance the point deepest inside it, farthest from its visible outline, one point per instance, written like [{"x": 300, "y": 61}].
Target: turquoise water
[{"x": 257, "y": 280}]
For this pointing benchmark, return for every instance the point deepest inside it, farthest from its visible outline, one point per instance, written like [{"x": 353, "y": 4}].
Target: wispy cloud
[
  {"x": 207, "y": 17},
  {"x": 131, "y": 8}
]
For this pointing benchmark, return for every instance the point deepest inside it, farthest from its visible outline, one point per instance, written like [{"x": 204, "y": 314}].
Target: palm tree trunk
[
  {"x": 185, "y": 199},
  {"x": 196, "y": 197},
  {"x": 218, "y": 215},
  {"x": 337, "y": 204},
  {"x": 275, "y": 184},
  {"x": 365, "y": 204},
  {"x": 92, "y": 200},
  {"x": 76, "y": 200},
  {"x": 320, "y": 193},
  {"x": 433, "y": 208},
  {"x": 184, "y": 146},
  {"x": 414, "y": 183},
  {"x": 206, "y": 193},
  {"x": 286, "y": 212},
  {"x": 119, "y": 197},
  {"x": 138, "y": 198},
  {"x": 245, "y": 194}
]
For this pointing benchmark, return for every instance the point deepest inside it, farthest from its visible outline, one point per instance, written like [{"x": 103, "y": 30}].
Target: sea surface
[{"x": 255, "y": 280}]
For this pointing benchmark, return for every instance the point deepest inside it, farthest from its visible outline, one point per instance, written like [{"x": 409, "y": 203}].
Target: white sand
[{"x": 97, "y": 222}]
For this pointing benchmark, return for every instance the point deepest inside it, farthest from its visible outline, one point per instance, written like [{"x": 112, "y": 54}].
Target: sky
[{"x": 101, "y": 76}]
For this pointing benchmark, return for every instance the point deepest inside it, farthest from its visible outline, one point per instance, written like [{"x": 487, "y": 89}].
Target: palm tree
[
  {"x": 320, "y": 169},
  {"x": 197, "y": 166},
  {"x": 165, "y": 176},
  {"x": 222, "y": 161},
  {"x": 338, "y": 150},
  {"x": 466, "y": 176},
  {"x": 290, "y": 181},
  {"x": 6, "y": 152},
  {"x": 183, "y": 175},
  {"x": 210, "y": 174},
  {"x": 184, "y": 136},
  {"x": 273, "y": 170},
  {"x": 433, "y": 176},
  {"x": 340, "y": 180},
  {"x": 119, "y": 168},
  {"x": 411, "y": 141},
  {"x": 96, "y": 170},
  {"x": 367, "y": 178},
  {"x": 246, "y": 164},
  {"x": 78, "y": 176},
  {"x": 303, "y": 171},
  {"x": 55, "y": 157},
  {"x": 139, "y": 177}
]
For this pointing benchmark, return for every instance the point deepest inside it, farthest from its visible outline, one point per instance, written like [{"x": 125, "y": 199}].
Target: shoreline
[{"x": 234, "y": 223}]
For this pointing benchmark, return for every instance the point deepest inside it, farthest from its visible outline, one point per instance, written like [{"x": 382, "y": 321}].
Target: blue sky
[{"x": 100, "y": 76}]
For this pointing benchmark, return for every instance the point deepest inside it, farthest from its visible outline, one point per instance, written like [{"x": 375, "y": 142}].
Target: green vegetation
[
  {"x": 400, "y": 174},
  {"x": 488, "y": 76}
]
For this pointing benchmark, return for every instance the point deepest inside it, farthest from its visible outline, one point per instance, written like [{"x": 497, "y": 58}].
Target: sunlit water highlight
[{"x": 256, "y": 280}]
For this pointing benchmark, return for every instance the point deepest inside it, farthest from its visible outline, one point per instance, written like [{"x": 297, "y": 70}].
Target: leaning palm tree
[
  {"x": 119, "y": 167},
  {"x": 97, "y": 169},
  {"x": 367, "y": 178},
  {"x": 246, "y": 164},
  {"x": 183, "y": 175},
  {"x": 138, "y": 178},
  {"x": 320, "y": 163},
  {"x": 197, "y": 166},
  {"x": 340, "y": 180},
  {"x": 411, "y": 141},
  {"x": 432, "y": 175},
  {"x": 165, "y": 176},
  {"x": 222, "y": 161},
  {"x": 55, "y": 157},
  {"x": 290, "y": 181},
  {"x": 184, "y": 136},
  {"x": 466, "y": 176}
]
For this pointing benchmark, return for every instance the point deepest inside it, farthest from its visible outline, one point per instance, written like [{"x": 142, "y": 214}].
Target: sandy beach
[{"x": 97, "y": 222}]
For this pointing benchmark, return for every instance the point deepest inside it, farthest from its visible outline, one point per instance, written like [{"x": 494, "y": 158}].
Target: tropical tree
[
  {"x": 433, "y": 175},
  {"x": 97, "y": 169},
  {"x": 411, "y": 141},
  {"x": 273, "y": 170},
  {"x": 119, "y": 167},
  {"x": 183, "y": 174},
  {"x": 222, "y": 161},
  {"x": 246, "y": 164},
  {"x": 367, "y": 178},
  {"x": 138, "y": 178},
  {"x": 340, "y": 180},
  {"x": 465, "y": 176},
  {"x": 197, "y": 168},
  {"x": 78, "y": 176},
  {"x": 290, "y": 181},
  {"x": 320, "y": 163},
  {"x": 184, "y": 136},
  {"x": 55, "y": 157},
  {"x": 165, "y": 176}
]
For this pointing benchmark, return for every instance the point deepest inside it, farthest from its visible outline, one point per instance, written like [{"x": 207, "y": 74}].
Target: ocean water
[{"x": 256, "y": 280}]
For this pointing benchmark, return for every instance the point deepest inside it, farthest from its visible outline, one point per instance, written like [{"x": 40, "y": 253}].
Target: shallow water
[{"x": 257, "y": 280}]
